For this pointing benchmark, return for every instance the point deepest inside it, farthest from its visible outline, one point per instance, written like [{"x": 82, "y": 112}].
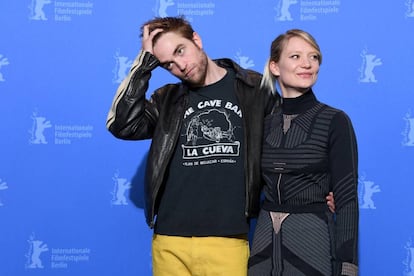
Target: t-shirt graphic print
[{"x": 204, "y": 193}]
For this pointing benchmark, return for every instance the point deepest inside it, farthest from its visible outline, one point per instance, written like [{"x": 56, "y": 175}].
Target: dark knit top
[{"x": 315, "y": 155}]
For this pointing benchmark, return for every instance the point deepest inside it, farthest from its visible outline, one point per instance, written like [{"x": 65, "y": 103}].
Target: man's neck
[{"x": 214, "y": 73}]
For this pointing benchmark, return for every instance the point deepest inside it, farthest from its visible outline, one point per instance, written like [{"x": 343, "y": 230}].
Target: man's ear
[
  {"x": 197, "y": 40},
  {"x": 274, "y": 68}
]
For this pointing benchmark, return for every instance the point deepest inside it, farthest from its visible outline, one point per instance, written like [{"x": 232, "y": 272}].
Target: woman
[{"x": 309, "y": 149}]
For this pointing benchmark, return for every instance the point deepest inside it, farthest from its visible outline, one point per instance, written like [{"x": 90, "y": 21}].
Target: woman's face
[{"x": 297, "y": 69}]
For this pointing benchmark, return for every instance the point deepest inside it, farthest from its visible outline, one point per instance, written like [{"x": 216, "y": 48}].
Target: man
[{"x": 203, "y": 171}]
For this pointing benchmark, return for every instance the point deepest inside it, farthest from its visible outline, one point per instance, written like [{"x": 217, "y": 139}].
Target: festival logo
[
  {"x": 161, "y": 6},
  {"x": 408, "y": 132},
  {"x": 369, "y": 62},
  {"x": 308, "y": 10},
  {"x": 57, "y": 258},
  {"x": 36, "y": 248},
  {"x": 410, "y": 8},
  {"x": 39, "y": 125},
  {"x": 283, "y": 10},
  {"x": 122, "y": 66},
  {"x": 3, "y": 186},
  {"x": 367, "y": 189},
  {"x": 62, "y": 10},
  {"x": 244, "y": 61},
  {"x": 121, "y": 186},
  {"x": 36, "y": 9},
  {"x": 63, "y": 134},
  {"x": 409, "y": 259},
  {"x": 66, "y": 134},
  {"x": 3, "y": 61}
]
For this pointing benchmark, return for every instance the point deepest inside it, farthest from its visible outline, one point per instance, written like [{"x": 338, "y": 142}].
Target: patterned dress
[{"x": 309, "y": 149}]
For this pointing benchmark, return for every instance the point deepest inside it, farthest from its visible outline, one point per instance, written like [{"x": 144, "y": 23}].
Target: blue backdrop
[{"x": 71, "y": 194}]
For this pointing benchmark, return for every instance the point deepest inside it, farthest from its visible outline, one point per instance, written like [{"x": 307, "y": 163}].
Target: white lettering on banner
[
  {"x": 320, "y": 3},
  {"x": 196, "y": 9},
  {"x": 86, "y": 5},
  {"x": 61, "y": 257},
  {"x": 310, "y": 9},
  {"x": 64, "y": 134}
]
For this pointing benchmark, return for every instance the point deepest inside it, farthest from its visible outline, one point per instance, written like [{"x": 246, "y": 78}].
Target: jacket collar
[{"x": 241, "y": 73}]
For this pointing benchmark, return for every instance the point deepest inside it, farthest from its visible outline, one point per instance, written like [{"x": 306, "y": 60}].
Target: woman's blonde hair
[{"x": 276, "y": 48}]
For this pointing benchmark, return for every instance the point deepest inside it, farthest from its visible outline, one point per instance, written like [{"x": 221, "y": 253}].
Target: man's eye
[
  {"x": 180, "y": 51},
  {"x": 167, "y": 65}
]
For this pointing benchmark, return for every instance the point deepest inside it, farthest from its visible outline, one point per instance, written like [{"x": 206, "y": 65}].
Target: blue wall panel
[{"x": 71, "y": 194}]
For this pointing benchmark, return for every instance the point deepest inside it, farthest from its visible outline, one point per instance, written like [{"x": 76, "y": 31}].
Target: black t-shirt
[{"x": 204, "y": 194}]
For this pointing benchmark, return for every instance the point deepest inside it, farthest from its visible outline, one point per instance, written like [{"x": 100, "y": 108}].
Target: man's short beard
[{"x": 203, "y": 70}]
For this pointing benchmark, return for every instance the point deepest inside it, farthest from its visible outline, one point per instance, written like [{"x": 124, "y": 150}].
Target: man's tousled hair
[{"x": 177, "y": 24}]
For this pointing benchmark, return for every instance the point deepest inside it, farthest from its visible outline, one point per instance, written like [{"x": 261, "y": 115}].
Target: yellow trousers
[{"x": 199, "y": 256}]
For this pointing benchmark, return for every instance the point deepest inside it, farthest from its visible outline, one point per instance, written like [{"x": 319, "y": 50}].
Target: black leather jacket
[{"x": 133, "y": 117}]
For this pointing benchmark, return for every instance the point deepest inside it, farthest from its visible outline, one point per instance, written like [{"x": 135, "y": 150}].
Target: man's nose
[{"x": 181, "y": 65}]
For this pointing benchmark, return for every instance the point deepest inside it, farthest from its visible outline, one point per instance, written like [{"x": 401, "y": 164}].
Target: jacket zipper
[{"x": 278, "y": 189}]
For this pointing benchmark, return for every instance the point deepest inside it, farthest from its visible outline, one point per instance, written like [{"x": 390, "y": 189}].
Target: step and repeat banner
[{"x": 71, "y": 194}]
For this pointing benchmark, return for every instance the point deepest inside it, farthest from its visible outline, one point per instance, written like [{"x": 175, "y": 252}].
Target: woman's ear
[{"x": 274, "y": 68}]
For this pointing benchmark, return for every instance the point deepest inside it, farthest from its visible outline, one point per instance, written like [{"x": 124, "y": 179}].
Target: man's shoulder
[
  {"x": 169, "y": 87},
  {"x": 229, "y": 63},
  {"x": 249, "y": 76}
]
